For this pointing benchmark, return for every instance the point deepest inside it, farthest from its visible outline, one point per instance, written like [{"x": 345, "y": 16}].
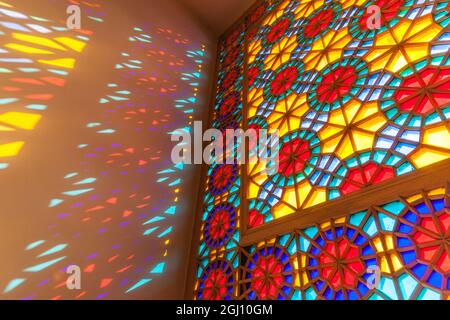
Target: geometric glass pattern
[
  {"x": 354, "y": 108},
  {"x": 217, "y": 254},
  {"x": 219, "y": 232},
  {"x": 394, "y": 251},
  {"x": 405, "y": 242}
]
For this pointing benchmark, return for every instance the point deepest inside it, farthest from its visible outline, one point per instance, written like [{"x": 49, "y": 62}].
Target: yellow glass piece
[
  {"x": 305, "y": 278},
  {"x": 218, "y": 200},
  {"x": 73, "y": 44},
  {"x": 251, "y": 168},
  {"x": 251, "y": 58},
  {"x": 414, "y": 198},
  {"x": 283, "y": 128},
  {"x": 329, "y": 131},
  {"x": 418, "y": 53},
  {"x": 281, "y": 53},
  {"x": 362, "y": 140},
  {"x": 351, "y": 109},
  {"x": 396, "y": 262},
  {"x": 259, "y": 171},
  {"x": 21, "y": 120},
  {"x": 303, "y": 191},
  {"x": 287, "y": 114},
  {"x": 351, "y": 128},
  {"x": 407, "y": 41},
  {"x": 370, "y": 108},
  {"x": 330, "y": 146},
  {"x": 346, "y": 148},
  {"x": 438, "y": 137},
  {"x": 254, "y": 99},
  {"x": 282, "y": 210},
  {"x": 306, "y": 7},
  {"x": 68, "y": 63},
  {"x": 11, "y": 149},
  {"x": 302, "y": 260},
  {"x": 38, "y": 40},
  {"x": 426, "y": 23},
  {"x": 386, "y": 38},
  {"x": 376, "y": 64},
  {"x": 253, "y": 190},
  {"x": 26, "y": 49},
  {"x": 254, "y": 46},
  {"x": 325, "y": 225},
  {"x": 274, "y": 17},
  {"x": 279, "y": 60},
  {"x": 437, "y": 192},
  {"x": 279, "y": 111},
  {"x": 290, "y": 197},
  {"x": 297, "y": 280},
  {"x": 384, "y": 265},
  {"x": 337, "y": 117},
  {"x": 348, "y": 3},
  {"x": 295, "y": 263},
  {"x": 327, "y": 49},
  {"x": 378, "y": 245},
  {"x": 334, "y": 55},
  {"x": 317, "y": 197},
  {"x": 389, "y": 242},
  {"x": 373, "y": 124},
  {"x": 253, "y": 49},
  {"x": 340, "y": 220},
  {"x": 424, "y": 157},
  {"x": 398, "y": 61},
  {"x": 294, "y": 122}
]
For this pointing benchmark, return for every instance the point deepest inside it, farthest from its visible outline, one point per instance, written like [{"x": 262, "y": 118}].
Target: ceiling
[{"x": 218, "y": 15}]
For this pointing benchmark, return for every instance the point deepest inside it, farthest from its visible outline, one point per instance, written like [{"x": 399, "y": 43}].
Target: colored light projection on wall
[
  {"x": 405, "y": 240},
  {"x": 354, "y": 107},
  {"x": 124, "y": 231},
  {"x": 36, "y": 57}
]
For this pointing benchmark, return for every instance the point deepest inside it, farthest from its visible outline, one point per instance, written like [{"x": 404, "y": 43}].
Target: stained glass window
[
  {"x": 219, "y": 234},
  {"x": 354, "y": 107},
  {"x": 358, "y": 107},
  {"x": 403, "y": 240}
]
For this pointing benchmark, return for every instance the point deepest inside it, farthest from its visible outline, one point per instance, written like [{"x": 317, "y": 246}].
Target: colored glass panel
[
  {"x": 375, "y": 103},
  {"x": 355, "y": 106},
  {"x": 395, "y": 251}
]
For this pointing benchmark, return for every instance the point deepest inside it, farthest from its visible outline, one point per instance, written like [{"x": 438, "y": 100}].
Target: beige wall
[{"x": 37, "y": 175}]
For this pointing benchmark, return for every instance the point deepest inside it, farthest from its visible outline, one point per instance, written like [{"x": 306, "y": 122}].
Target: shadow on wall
[{"x": 85, "y": 170}]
